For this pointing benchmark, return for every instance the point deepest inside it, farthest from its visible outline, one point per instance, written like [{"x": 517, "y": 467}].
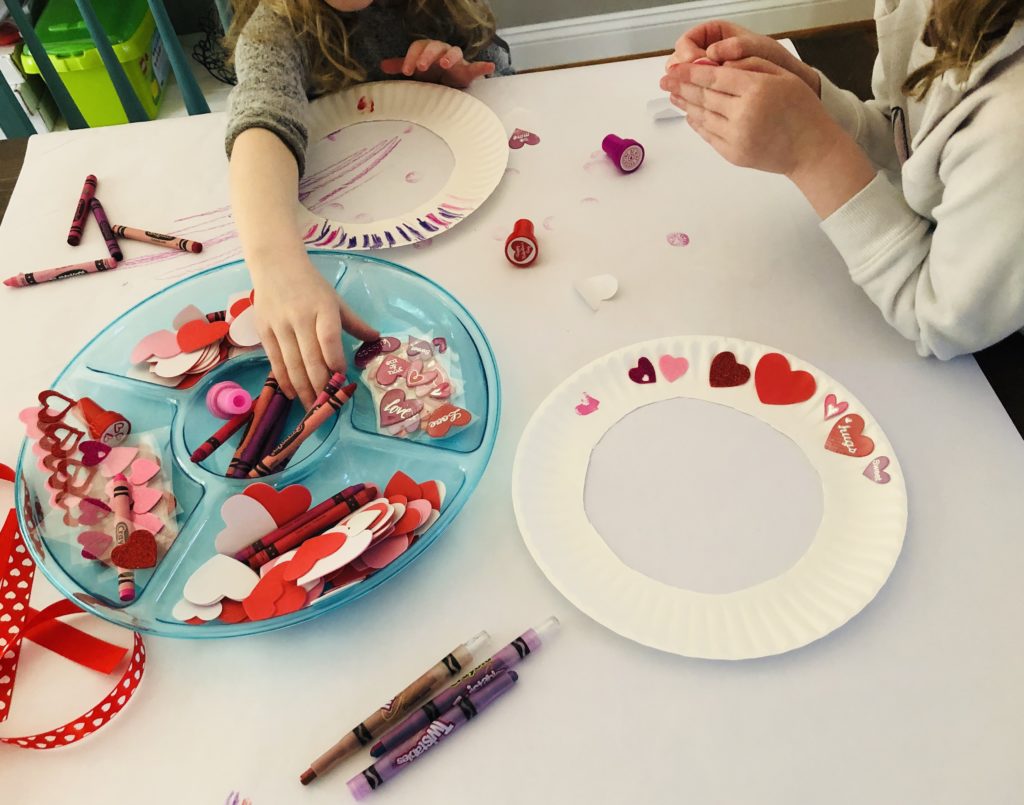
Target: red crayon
[
  {"x": 62, "y": 273},
  {"x": 294, "y": 539},
  {"x": 321, "y": 508},
  {"x": 108, "y": 235},
  {"x": 145, "y": 236},
  {"x": 225, "y": 432},
  {"x": 82, "y": 210}
]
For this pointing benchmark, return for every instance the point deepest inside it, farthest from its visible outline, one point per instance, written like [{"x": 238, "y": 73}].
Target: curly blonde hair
[
  {"x": 325, "y": 32},
  {"x": 962, "y": 32}
]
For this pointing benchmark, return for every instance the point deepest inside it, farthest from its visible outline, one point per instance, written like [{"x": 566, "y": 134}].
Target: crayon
[
  {"x": 311, "y": 422},
  {"x": 396, "y": 708},
  {"x": 258, "y": 409},
  {"x": 145, "y": 236},
  {"x": 217, "y": 315},
  {"x": 295, "y": 537},
  {"x": 477, "y": 679},
  {"x": 334, "y": 385},
  {"x": 62, "y": 273},
  {"x": 108, "y": 235},
  {"x": 275, "y": 411},
  {"x": 82, "y": 211},
  {"x": 122, "y": 508},
  {"x": 225, "y": 432},
  {"x": 396, "y": 761},
  {"x": 320, "y": 508}
]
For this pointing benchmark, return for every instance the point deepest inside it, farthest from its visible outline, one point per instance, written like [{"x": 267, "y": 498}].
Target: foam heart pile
[{"x": 199, "y": 342}]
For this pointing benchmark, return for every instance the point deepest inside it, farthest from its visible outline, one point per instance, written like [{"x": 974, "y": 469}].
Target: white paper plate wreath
[
  {"x": 340, "y": 164},
  {"x": 864, "y": 513}
]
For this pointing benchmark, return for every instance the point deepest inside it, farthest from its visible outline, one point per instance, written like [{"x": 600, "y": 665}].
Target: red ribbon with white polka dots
[{"x": 18, "y": 622}]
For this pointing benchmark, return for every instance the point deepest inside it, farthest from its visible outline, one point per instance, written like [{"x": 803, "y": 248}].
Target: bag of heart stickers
[{"x": 416, "y": 385}]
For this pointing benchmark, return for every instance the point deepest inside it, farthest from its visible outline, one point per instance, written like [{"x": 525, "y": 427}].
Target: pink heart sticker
[
  {"x": 875, "y": 471},
  {"x": 142, "y": 471},
  {"x": 833, "y": 407},
  {"x": 118, "y": 460},
  {"x": 673, "y": 368},
  {"x": 521, "y": 137},
  {"x": 391, "y": 369},
  {"x": 418, "y": 376},
  {"x": 396, "y": 408},
  {"x": 418, "y": 348}
]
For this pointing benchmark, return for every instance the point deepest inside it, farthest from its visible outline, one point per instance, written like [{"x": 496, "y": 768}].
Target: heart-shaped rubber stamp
[
  {"x": 396, "y": 408},
  {"x": 672, "y": 367},
  {"x": 200, "y": 333},
  {"x": 137, "y": 553},
  {"x": 93, "y": 452},
  {"x": 418, "y": 348},
  {"x": 220, "y": 577},
  {"x": 778, "y": 384},
  {"x": 847, "y": 438},
  {"x": 418, "y": 376},
  {"x": 283, "y": 505},
  {"x": 445, "y": 418},
  {"x": 521, "y": 137},
  {"x": 727, "y": 372},
  {"x": 875, "y": 471},
  {"x": 833, "y": 407},
  {"x": 588, "y": 405},
  {"x": 643, "y": 372},
  {"x": 391, "y": 369}
]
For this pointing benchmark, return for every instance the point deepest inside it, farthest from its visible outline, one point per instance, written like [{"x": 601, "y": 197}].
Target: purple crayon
[
  {"x": 82, "y": 211},
  {"x": 108, "y": 234},
  {"x": 628, "y": 155},
  {"x": 477, "y": 679},
  {"x": 468, "y": 707},
  {"x": 269, "y": 426}
]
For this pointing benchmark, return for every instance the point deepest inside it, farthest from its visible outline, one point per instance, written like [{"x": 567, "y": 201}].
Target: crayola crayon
[
  {"x": 145, "y": 236},
  {"x": 396, "y": 708},
  {"x": 121, "y": 504},
  {"x": 225, "y": 432},
  {"x": 276, "y": 411},
  {"x": 108, "y": 235},
  {"x": 259, "y": 408},
  {"x": 61, "y": 273},
  {"x": 82, "y": 211}
]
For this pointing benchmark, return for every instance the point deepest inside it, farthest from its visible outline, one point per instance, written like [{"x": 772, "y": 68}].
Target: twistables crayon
[
  {"x": 346, "y": 495},
  {"x": 62, "y": 273},
  {"x": 396, "y": 708},
  {"x": 477, "y": 679},
  {"x": 259, "y": 407},
  {"x": 295, "y": 537},
  {"x": 108, "y": 235},
  {"x": 396, "y": 761},
  {"x": 82, "y": 211},
  {"x": 122, "y": 507},
  {"x": 317, "y": 416},
  {"x": 225, "y": 432},
  {"x": 145, "y": 236},
  {"x": 262, "y": 433}
]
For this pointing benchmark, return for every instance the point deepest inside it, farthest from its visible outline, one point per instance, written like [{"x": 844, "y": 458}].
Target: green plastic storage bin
[{"x": 132, "y": 34}]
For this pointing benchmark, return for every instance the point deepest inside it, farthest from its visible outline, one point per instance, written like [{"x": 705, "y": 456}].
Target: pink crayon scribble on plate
[
  {"x": 407, "y": 129},
  {"x": 423, "y": 244},
  {"x": 589, "y": 200},
  {"x": 412, "y": 177},
  {"x": 363, "y": 218},
  {"x": 678, "y": 239},
  {"x": 549, "y": 223}
]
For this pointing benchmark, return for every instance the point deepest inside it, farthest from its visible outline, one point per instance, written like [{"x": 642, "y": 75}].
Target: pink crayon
[
  {"x": 628, "y": 155},
  {"x": 62, "y": 273},
  {"x": 82, "y": 210},
  {"x": 108, "y": 234},
  {"x": 121, "y": 504},
  {"x": 157, "y": 239}
]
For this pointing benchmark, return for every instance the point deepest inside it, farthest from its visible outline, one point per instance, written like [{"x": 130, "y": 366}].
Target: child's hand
[
  {"x": 755, "y": 114},
  {"x": 437, "y": 62},
  {"x": 721, "y": 41},
  {"x": 301, "y": 319}
]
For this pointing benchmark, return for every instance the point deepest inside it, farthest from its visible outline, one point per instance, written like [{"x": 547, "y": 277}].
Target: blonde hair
[
  {"x": 962, "y": 32},
  {"x": 325, "y": 32}
]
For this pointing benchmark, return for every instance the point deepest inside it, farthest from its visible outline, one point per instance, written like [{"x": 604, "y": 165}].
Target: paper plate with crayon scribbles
[
  {"x": 404, "y": 454},
  {"x": 703, "y": 404}
]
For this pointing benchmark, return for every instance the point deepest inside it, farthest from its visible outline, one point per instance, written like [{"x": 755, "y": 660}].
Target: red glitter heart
[
  {"x": 138, "y": 553},
  {"x": 726, "y": 371}
]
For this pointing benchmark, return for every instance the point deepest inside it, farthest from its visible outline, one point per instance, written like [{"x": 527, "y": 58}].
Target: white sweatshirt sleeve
[{"x": 956, "y": 284}]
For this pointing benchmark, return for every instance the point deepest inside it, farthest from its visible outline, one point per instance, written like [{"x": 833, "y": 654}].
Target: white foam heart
[
  {"x": 176, "y": 366},
  {"x": 185, "y": 610},
  {"x": 187, "y": 314},
  {"x": 244, "y": 330},
  {"x": 245, "y": 521},
  {"x": 597, "y": 289},
  {"x": 352, "y": 549},
  {"x": 220, "y": 577},
  {"x": 365, "y": 518}
]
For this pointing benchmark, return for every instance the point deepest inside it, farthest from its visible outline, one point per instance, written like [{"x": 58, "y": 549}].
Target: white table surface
[{"x": 918, "y": 699}]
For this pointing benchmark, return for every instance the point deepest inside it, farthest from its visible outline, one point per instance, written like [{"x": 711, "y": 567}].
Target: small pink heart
[
  {"x": 588, "y": 405},
  {"x": 418, "y": 376},
  {"x": 30, "y": 419},
  {"x": 92, "y": 511},
  {"x": 147, "y": 521},
  {"x": 673, "y": 368},
  {"x": 161, "y": 344},
  {"x": 521, "y": 137},
  {"x": 391, "y": 369},
  {"x": 93, "y": 452},
  {"x": 145, "y": 498},
  {"x": 142, "y": 471},
  {"x": 118, "y": 460},
  {"x": 875, "y": 471},
  {"x": 94, "y": 543},
  {"x": 833, "y": 407}
]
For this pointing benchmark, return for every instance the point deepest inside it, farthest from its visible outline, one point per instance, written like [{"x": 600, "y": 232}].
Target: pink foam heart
[
  {"x": 145, "y": 498},
  {"x": 142, "y": 471},
  {"x": 161, "y": 344},
  {"x": 94, "y": 543},
  {"x": 118, "y": 460},
  {"x": 673, "y": 368},
  {"x": 385, "y": 552},
  {"x": 833, "y": 407},
  {"x": 30, "y": 419},
  {"x": 147, "y": 521}
]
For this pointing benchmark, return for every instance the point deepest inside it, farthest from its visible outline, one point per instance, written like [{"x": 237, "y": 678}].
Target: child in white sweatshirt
[{"x": 921, "y": 190}]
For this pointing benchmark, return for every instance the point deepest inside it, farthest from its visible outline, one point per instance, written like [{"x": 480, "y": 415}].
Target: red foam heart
[
  {"x": 6, "y": 473},
  {"x": 402, "y": 484},
  {"x": 311, "y": 552},
  {"x": 445, "y": 418},
  {"x": 643, "y": 372},
  {"x": 284, "y": 505},
  {"x": 346, "y": 575},
  {"x": 138, "y": 553},
  {"x": 261, "y": 602},
  {"x": 200, "y": 333},
  {"x": 726, "y": 371},
  {"x": 232, "y": 611},
  {"x": 778, "y": 384},
  {"x": 239, "y": 306},
  {"x": 847, "y": 437},
  {"x": 432, "y": 493}
]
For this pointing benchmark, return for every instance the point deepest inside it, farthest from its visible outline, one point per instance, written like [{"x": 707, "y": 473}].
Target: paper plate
[
  {"x": 858, "y": 540},
  {"x": 342, "y": 160}
]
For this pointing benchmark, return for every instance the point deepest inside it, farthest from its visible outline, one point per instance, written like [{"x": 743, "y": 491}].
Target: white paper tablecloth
[{"x": 918, "y": 699}]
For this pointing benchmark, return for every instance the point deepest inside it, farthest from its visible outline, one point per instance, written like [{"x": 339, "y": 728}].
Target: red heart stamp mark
[
  {"x": 391, "y": 369},
  {"x": 283, "y": 505},
  {"x": 138, "y": 553},
  {"x": 833, "y": 407},
  {"x": 521, "y": 137},
  {"x": 778, "y": 384},
  {"x": 875, "y": 471},
  {"x": 847, "y": 438},
  {"x": 199, "y": 333},
  {"x": 445, "y": 418},
  {"x": 93, "y": 452},
  {"x": 418, "y": 376},
  {"x": 727, "y": 372},
  {"x": 395, "y": 408},
  {"x": 643, "y": 372}
]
